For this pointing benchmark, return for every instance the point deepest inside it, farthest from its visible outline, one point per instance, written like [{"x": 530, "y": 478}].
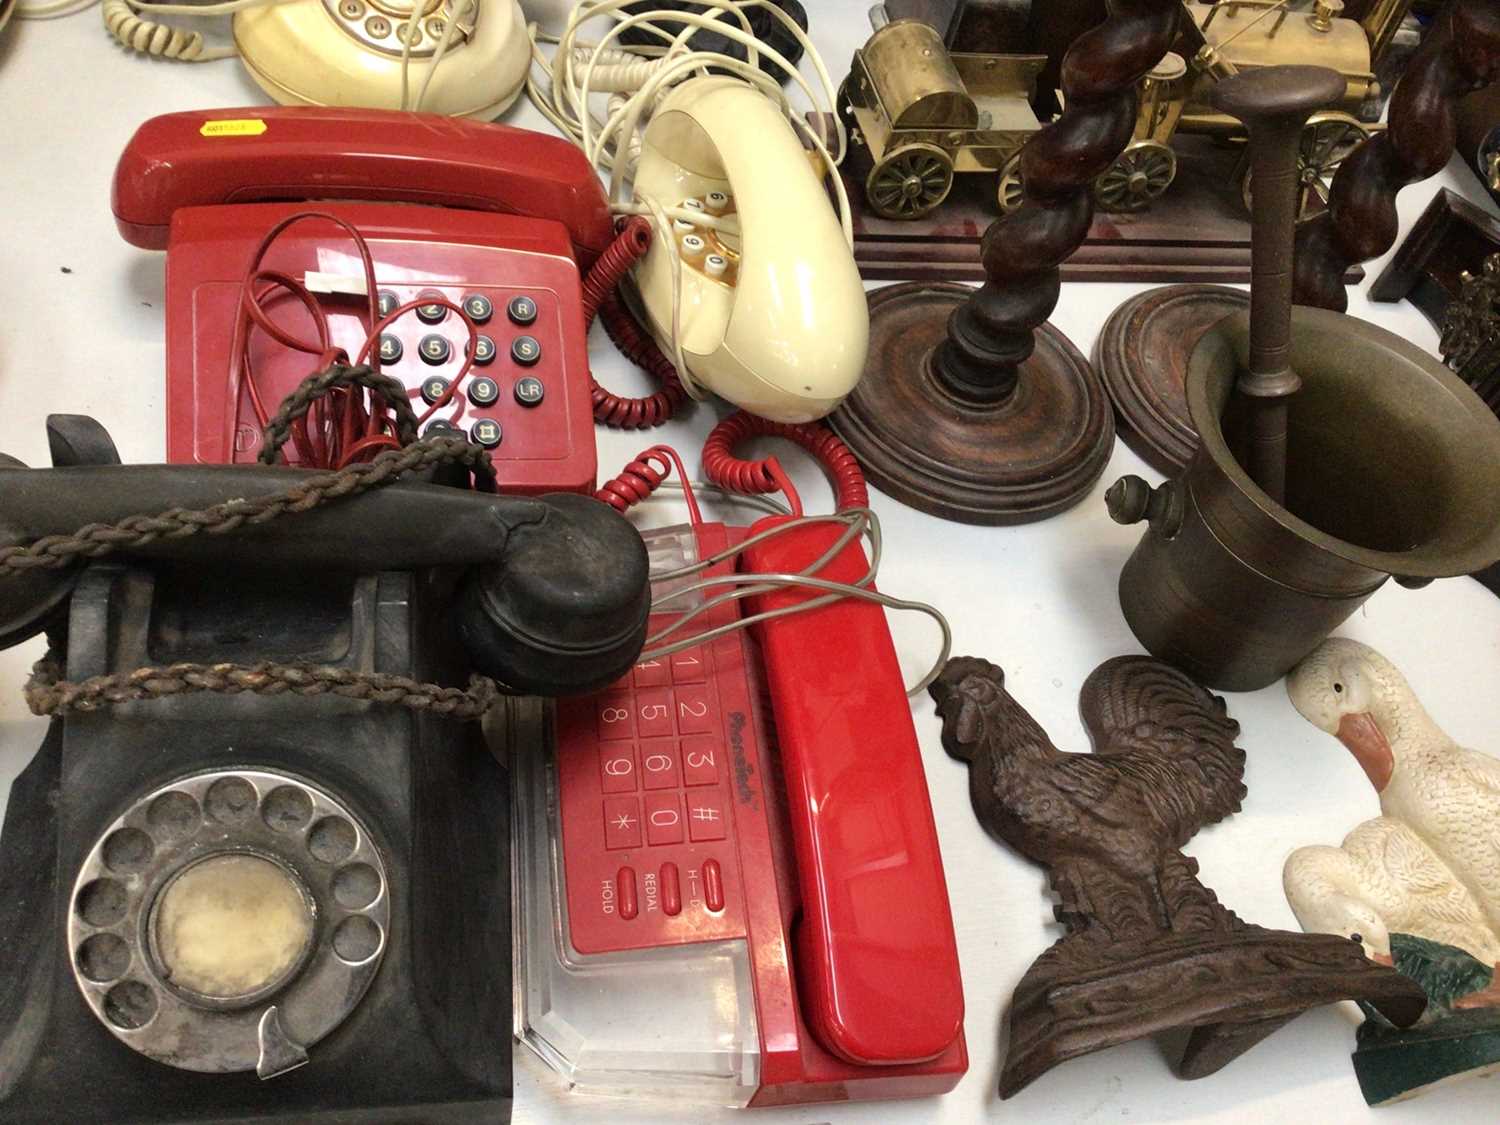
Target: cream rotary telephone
[
  {"x": 761, "y": 293},
  {"x": 749, "y": 285},
  {"x": 461, "y": 58}
]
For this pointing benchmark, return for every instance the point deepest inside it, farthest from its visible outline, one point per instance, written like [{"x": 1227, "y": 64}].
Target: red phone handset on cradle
[
  {"x": 447, "y": 214},
  {"x": 748, "y": 818}
]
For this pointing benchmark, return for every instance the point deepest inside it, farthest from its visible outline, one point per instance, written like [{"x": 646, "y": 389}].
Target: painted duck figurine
[{"x": 1430, "y": 865}]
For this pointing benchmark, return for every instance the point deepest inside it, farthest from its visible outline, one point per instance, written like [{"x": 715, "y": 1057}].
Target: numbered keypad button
[
  {"x": 616, "y": 717},
  {"x": 484, "y": 391},
  {"x": 430, "y": 312},
  {"x": 440, "y": 427},
  {"x": 653, "y": 714},
  {"x": 705, "y": 815},
  {"x": 390, "y": 348},
  {"x": 484, "y": 352},
  {"x": 529, "y": 391},
  {"x": 663, "y": 819},
  {"x": 700, "y": 761},
  {"x": 659, "y": 766},
  {"x": 387, "y": 302},
  {"x": 435, "y": 349},
  {"x": 434, "y": 387},
  {"x": 694, "y": 711},
  {"x": 687, "y": 666},
  {"x": 525, "y": 350},
  {"x": 652, "y": 673},
  {"x": 478, "y": 307},
  {"x": 617, "y": 769},
  {"x": 622, "y": 822},
  {"x": 486, "y": 433},
  {"x": 521, "y": 310}
]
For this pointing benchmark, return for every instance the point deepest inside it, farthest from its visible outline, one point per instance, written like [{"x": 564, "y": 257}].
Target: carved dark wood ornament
[
  {"x": 972, "y": 407},
  {"x": 1461, "y": 53},
  {"x": 1148, "y": 949}
]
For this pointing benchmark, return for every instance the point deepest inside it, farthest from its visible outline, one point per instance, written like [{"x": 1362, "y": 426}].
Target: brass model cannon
[{"x": 926, "y": 113}]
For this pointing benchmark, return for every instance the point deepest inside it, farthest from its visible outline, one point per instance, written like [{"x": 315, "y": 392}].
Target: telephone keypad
[{"x": 678, "y": 738}]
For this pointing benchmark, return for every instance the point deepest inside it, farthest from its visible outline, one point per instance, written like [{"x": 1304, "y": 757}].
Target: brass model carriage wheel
[
  {"x": 1143, "y": 171},
  {"x": 1327, "y": 141},
  {"x": 910, "y": 181},
  {"x": 1010, "y": 191}
]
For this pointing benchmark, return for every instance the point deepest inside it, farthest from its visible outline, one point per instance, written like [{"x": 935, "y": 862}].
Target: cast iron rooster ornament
[{"x": 1148, "y": 948}]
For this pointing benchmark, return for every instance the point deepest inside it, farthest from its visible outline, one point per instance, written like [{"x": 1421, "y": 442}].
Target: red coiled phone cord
[
  {"x": 727, "y": 471},
  {"x": 644, "y": 475},
  {"x": 600, "y": 298}
]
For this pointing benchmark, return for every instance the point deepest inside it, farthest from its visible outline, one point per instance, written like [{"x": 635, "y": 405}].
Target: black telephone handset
[
  {"x": 280, "y": 904},
  {"x": 554, "y": 600}
]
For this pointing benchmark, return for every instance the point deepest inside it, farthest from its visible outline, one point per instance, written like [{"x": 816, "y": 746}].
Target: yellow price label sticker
[{"x": 234, "y": 127}]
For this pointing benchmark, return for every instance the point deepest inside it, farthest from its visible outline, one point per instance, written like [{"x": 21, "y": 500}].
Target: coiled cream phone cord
[
  {"x": 126, "y": 21},
  {"x": 160, "y": 40},
  {"x": 638, "y": 80}
]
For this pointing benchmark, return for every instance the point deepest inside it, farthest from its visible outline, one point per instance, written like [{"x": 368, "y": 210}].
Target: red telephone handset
[
  {"x": 877, "y": 962},
  {"x": 271, "y": 154},
  {"x": 455, "y": 213}
]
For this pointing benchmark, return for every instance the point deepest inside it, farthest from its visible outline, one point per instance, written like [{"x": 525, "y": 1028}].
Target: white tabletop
[{"x": 82, "y": 332}]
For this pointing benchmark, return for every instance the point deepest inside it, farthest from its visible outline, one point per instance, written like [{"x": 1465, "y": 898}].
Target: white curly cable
[{"x": 145, "y": 36}]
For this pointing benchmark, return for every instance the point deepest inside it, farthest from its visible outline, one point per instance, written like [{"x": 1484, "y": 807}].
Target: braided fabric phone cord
[{"x": 47, "y": 693}]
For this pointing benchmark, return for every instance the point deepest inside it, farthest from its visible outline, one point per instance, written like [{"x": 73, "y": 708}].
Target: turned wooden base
[
  {"x": 1223, "y": 991},
  {"x": 1027, "y": 458},
  {"x": 1142, "y": 356}
]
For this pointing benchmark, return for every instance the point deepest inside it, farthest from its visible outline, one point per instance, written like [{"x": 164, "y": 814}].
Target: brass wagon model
[{"x": 926, "y": 113}]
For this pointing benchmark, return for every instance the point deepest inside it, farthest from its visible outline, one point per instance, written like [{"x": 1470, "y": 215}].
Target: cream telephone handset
[
  {"x": 757, "y": 286},
  {"x": 460, "y": 58}
]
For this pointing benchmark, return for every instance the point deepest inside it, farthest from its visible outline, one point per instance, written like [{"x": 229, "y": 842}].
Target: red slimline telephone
[
  {"x": 753, "y": 813},
  {"x": 495, "y": 220}
]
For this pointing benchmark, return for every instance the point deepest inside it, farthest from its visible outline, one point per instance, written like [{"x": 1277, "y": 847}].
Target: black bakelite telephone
[{"x": 354, "y": 845}]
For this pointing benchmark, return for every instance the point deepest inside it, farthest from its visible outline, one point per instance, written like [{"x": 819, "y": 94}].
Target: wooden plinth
[
  {"x": 1197, "y": 231},
  {"x": 1142, "y": 355},
  {"x": 1027, "y": 458}
]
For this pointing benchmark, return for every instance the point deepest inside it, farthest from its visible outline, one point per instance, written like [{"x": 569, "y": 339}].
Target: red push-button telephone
[
  {"x": 732, "y": 887},
  {"x": 454, "y": 215}
]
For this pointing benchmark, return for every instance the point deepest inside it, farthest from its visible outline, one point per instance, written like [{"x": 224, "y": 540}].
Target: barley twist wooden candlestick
[
  {"x": 1461, "y": 53},
  {"x": 971, "y": 407}
]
